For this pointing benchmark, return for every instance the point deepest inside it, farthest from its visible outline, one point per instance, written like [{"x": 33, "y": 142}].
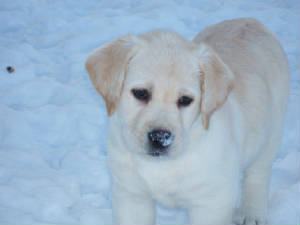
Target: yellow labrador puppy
[{"x": 191, "y": 122}]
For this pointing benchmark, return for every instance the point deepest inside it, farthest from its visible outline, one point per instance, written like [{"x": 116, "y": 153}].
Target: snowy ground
[{"x": 53, "y": 124}]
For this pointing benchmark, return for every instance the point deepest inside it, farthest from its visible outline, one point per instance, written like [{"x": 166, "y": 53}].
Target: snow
[{"x": 53, "y": 126}]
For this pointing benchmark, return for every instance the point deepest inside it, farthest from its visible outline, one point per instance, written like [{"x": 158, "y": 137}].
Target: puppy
[{"x": 193, "y": 121}]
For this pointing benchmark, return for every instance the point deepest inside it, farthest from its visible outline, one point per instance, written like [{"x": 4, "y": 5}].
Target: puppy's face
[
  {"x": 158, "y": 84},
  {"x": 160, "y": 99}
]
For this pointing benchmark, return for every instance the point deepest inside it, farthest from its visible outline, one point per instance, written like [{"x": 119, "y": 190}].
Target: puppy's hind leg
[
  {"x": 255, "y": 188},
  {"x": 254, "y": 204}
]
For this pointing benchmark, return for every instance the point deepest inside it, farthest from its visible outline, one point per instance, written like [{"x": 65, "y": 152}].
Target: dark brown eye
[
  {"x": 184, "y": 101},
  {"x": 141, "y": 94}
]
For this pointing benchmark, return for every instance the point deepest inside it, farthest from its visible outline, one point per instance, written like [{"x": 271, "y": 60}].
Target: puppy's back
[
  {"x": 261, "y": 76},
  {"x": 246, "y": 45}
]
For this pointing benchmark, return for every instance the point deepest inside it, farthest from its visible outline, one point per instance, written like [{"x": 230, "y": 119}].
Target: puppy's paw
[{"x": 243, "y": 217}]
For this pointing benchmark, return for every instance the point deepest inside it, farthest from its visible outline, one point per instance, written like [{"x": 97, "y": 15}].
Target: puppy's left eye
[{"x": 184, "y": 101}]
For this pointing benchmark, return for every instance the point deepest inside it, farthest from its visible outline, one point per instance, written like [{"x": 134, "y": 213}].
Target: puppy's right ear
[{"x": 107, "y": 68}]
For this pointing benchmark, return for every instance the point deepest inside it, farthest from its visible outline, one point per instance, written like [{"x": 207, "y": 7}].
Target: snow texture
[{"x": 53, "y": 124}]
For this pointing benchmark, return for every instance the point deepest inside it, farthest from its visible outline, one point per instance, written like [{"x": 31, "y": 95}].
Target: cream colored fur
[{"x": 238, "y": 76}]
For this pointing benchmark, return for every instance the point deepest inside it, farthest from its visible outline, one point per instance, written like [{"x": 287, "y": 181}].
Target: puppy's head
[{"x": 158, "y": 84}]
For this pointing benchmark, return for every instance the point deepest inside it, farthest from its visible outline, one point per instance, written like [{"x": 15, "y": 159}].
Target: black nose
[{"x": 159, "y": 141}]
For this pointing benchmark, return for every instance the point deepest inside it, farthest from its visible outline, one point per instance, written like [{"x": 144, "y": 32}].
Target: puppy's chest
[{"x": 169, "y": 185}]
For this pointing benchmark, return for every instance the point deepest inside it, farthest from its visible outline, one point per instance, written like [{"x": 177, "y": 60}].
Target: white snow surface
[{"x": 53, "y": 124}]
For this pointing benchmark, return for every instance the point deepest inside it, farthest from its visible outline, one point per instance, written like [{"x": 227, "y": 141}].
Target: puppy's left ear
[
  {"x": 216, "y": 83},
  {"x": 107, "y": 68}
]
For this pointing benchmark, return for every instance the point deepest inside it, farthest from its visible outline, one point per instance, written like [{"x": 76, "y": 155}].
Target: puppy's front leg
[
  {"x": 216, "y": 207},
  {"x": 129, "y": 209},
  {"x": 209, "y": 216}
]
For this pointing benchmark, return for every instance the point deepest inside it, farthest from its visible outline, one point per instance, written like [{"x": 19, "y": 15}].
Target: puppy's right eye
[{"x": 141, "y": 94}]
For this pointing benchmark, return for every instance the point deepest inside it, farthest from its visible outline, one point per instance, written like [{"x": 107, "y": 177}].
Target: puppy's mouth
[{"x": 157, "y": 152}]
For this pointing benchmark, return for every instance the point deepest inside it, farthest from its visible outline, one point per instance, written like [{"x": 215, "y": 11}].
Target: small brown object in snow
[{"x": 10, "y": 69}]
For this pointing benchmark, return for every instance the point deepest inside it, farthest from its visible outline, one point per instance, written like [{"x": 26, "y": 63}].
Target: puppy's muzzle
[{"x": 159, "y": 141}]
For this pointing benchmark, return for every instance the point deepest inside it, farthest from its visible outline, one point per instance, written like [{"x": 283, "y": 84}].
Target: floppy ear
[
  {"x": 107, "y": 68},
  {"x": 216, "y": 83}
]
